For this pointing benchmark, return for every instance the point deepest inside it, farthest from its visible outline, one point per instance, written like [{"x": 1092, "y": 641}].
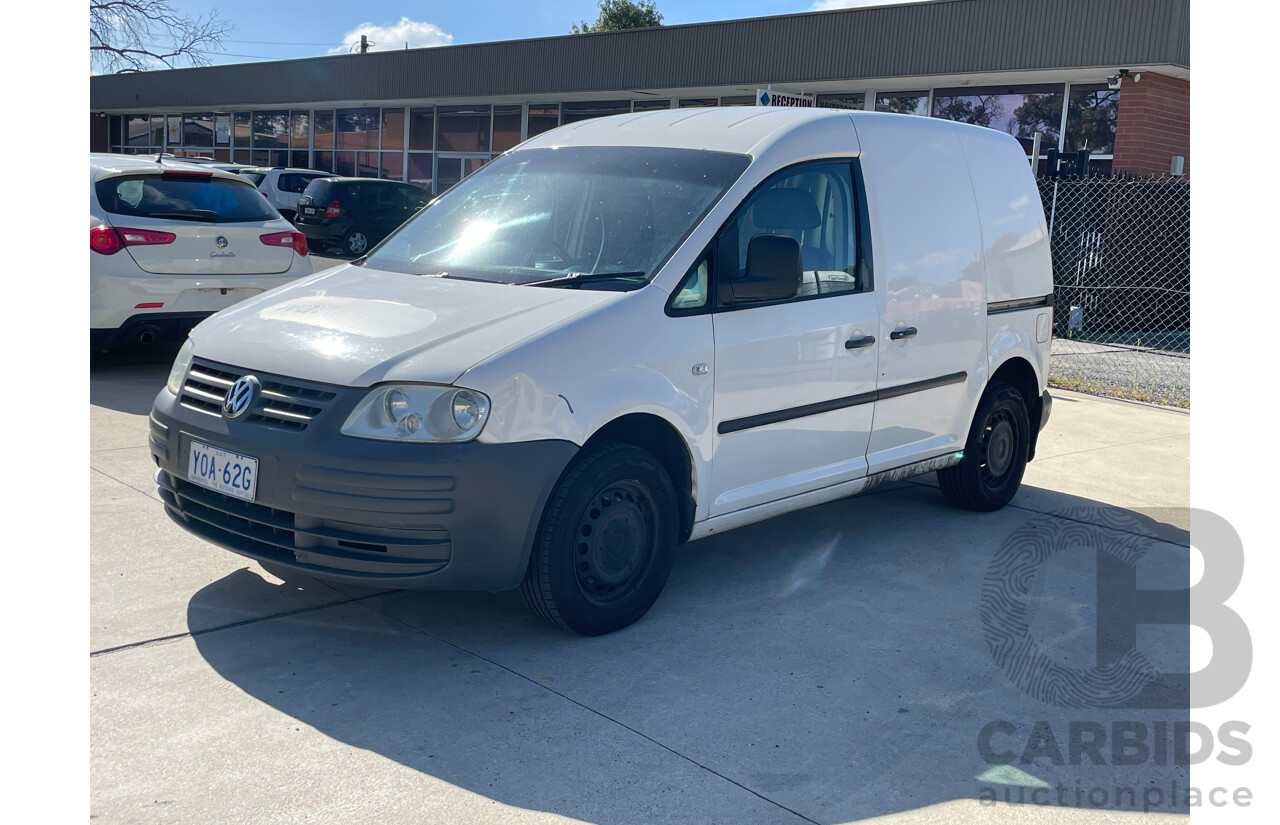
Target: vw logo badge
[
  {"x": 221, "y": 241},
  {"x": 240, "y": 398}
]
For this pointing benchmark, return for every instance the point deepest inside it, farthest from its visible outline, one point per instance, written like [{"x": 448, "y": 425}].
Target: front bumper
[{"x": 415, "y": 516}]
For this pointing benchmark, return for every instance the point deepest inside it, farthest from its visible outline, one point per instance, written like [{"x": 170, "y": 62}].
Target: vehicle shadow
[
  {"x": 835, "y": 662},
  {"x": 128, "y": 378}
]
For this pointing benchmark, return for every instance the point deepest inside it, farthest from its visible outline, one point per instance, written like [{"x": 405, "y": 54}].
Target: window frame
[{"x": 715, "y": 253}]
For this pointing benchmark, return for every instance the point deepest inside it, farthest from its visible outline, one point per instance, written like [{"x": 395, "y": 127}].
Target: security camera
[{"x": 1113, "y": 82}]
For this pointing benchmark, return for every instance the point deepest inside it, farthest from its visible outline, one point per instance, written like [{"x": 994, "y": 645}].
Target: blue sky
[{"x": 277, "y": 30}]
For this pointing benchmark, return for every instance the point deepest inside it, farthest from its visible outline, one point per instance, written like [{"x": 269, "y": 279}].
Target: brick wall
[{"x": 1153, "y": 124}]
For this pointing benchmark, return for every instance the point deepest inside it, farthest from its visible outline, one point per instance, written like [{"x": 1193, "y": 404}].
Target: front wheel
[
  {"x": 995, "y": 455},
  {"x": 606, "y": 543}
]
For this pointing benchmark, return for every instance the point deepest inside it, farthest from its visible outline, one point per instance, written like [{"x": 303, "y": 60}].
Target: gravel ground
[{"x": 1123, "y": 371}]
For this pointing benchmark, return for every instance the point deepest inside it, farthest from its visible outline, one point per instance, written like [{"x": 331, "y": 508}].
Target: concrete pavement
[{"x": 825, "y": 666}]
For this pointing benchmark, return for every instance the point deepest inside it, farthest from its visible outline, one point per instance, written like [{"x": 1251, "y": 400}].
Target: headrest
[{"x": 785, "y": 209}]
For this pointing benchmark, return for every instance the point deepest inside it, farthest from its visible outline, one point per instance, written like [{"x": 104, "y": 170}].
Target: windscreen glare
[
  {"x": 540, "y": 214},
  {"x": 183, "y": 197}
]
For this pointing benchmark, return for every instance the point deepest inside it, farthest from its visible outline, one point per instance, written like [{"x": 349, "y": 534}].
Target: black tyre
[
  {"x": 606, "y": 543},
  {"x": 995, "y": 455},
  {"x": 356, "y": 243}
]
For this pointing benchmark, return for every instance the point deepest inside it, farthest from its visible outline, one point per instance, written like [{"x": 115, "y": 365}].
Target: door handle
[
  {"x": 860, "y": 342},
  {"x": 905, "y": 332}
]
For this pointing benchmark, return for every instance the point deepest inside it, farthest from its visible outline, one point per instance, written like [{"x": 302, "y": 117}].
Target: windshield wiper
[
  {"x": 188, "y": 214},
  {"x": 572, "y": 278}
]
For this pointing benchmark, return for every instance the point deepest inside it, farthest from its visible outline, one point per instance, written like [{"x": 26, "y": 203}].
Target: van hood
[{"x": 354, "y": 326}]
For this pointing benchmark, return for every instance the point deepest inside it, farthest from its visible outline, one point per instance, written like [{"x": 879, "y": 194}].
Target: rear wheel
[
  {"x": 995, "y": 455},
  {"x": 355, "y": 243},
  {"x": 606, "y": 543}
]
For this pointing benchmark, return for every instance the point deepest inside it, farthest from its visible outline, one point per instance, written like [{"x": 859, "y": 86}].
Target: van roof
[{"x": 745, "y": 130}]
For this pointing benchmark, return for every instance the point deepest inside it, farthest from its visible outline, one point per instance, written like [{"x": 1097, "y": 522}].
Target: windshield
[{"x": 540, "y": 214}]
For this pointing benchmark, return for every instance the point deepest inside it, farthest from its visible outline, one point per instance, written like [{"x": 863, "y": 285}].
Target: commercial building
[{"x": 1109, "y": 76}]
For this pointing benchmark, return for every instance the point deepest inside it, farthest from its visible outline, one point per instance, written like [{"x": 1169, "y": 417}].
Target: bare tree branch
[{"x": 137, "y": 35}]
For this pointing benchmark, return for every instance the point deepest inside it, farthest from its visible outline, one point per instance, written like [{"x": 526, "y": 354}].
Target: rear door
[
  {"x": 193, "y": 223},
  {"x": 795, "y": 380}
]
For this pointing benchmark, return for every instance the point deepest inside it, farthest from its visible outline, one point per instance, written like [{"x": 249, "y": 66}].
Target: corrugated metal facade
[{"x": 960, "y": 36}]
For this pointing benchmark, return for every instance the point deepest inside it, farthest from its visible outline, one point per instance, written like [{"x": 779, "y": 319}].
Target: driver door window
[{"x": 814, "y": 205}]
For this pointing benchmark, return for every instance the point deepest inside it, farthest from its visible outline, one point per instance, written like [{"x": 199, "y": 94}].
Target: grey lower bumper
[{"x": 417, "y": 516}]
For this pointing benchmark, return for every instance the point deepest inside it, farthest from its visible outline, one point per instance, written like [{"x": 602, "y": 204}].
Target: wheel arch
[
  {"x": 656, "y": 436},
  {"x": 1018, "y": 372}
]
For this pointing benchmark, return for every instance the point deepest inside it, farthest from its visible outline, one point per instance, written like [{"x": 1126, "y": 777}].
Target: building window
[
  {"x": 650, "y": 105},
  {"x": 322, "y": 161},
  {"x": 1091, "y": 119},
  {"x": 241, "y": 129},
  {"x": 738, "y": 100},
  {"x": 270, "y": 130},
  {"x": 585, "y": 110},
  {"x": 322, "y": 129},
  {"x": 358, "y": 129},
  {"x": 420, "y": 169},
  {"x": 157, "y": 130},
  {"x": 393, "y": 130},
  {"x": 422, "y": 129},
  {"x": 391, "y": 166},
  {"x": 462, "y": 128},
  {"x": 543, "y": 117},
  {"x": 842, "y": 101},
  {"x": 903, "y": 103},
  {"x": 345, "y": 164},
  {"x": 1021, "y": 111},
  {"x": 300, "y": 130},
  {"x": 137, "y": 130},
  {"x": 506, "y": 127},
  {"x": 113, "y": 131},
  {"x": 298, "y": 159},
  {"x": 698, "y": 102},
  {"x": 197, "y": 130}
]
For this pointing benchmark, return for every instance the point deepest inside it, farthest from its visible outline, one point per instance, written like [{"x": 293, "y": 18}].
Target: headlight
[
  {"x": 418, "y": 412},
  {"x": 180, "y": 366}
]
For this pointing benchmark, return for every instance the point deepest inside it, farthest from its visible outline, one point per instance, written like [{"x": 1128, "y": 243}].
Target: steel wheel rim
[
  {"x": 614, "y": 543},
  {"x": 357, "y": 243},
  {"x": 999, "y": 442}
]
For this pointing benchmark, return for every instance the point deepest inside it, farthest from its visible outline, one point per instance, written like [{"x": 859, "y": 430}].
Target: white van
[{"x": 626, "y": 334}]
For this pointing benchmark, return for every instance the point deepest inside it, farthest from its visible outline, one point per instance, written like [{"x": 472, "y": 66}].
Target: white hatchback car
[
  {"x": 282, "y": 187},
  {"x": 172, "y": 243}
]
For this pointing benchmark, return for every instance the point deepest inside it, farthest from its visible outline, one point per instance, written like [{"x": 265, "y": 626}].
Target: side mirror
[{"x": 773, "y": 270}]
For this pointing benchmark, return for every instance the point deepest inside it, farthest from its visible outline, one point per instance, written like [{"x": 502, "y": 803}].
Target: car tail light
[
  {"x": 104, "y": 240},
  {"x": 144, "y": 237},
  {"x": 110, "y": 240},
  {"x": 294, "y": 239},
  {"x": 334, "y": 210}
]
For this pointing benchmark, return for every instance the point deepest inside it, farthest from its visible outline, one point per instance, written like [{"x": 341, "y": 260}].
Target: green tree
[{"x": 616, "y": 15}]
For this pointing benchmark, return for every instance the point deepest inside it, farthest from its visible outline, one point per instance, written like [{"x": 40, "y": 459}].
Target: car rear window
[
  {"x": 183, "y": 197},
  {"x": 254, "y": 177}
]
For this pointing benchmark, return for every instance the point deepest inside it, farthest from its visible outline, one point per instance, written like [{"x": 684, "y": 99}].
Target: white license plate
[
  {"x": 308, "y": 210},
  {"x": 222, "y": 470}
]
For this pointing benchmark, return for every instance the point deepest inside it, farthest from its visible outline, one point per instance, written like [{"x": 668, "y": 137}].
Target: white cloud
[
  {"x": 827, "y": 5},
  {"x": 387, "y": 38}
]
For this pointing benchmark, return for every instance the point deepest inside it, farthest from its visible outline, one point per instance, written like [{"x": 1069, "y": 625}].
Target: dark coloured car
[{"x": 355, "y": 213}]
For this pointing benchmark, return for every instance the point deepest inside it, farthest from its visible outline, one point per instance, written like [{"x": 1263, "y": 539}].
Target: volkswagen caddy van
[{"x": 626, "y": 334}]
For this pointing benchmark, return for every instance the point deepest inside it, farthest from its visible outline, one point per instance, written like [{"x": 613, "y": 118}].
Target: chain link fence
[{"x": 1122, "y": 286}]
